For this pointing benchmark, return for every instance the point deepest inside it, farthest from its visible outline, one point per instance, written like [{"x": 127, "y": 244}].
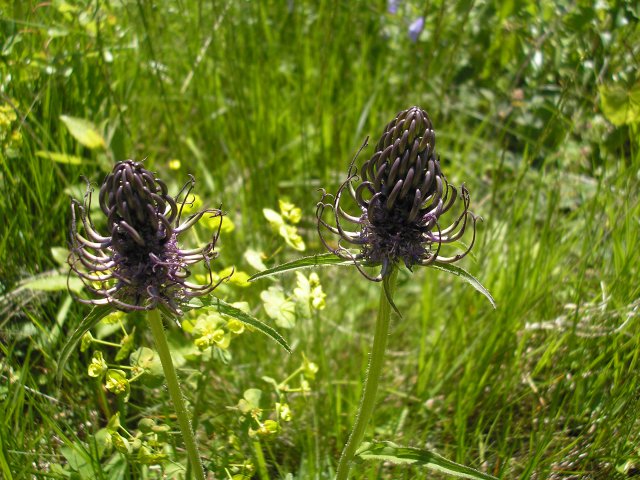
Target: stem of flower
[
  {"x": 283, "y": 383},
  {"x": 155, "y": 321},
  {"x": 376, "y": 360}
]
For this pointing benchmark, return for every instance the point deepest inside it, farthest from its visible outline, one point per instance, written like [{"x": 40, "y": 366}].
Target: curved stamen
[
  {"x": 447, "y": 235},
  {"x": 92, "y": 233},
  {"x": 359, "y": 190},
  {"x": 408, "y": 181},
  {"x": 168, "y": 228},
  {"x": 394, "y": 194},
  {"x": 86, "y": 243},
  {"x": 193, "y": 219},
  {"x": 355, "y": 261},
  {"x": 346, "y": 216},
  {"x": 452, "y": 199},
  {"x": 378, "y": 179},
  {"x": 457, "y": 257},
  {"x": 95, "y": 259},
  {"x": 432, "y": 256},
  {"x": 131, "y": 231},
  {"x": 347, "y": 235},
  {"x": 350, "y": 236},
  {"x": 455, "y": 224},
  {"x": 416, "y": 206},
  {"x": 394, "y": 170}
]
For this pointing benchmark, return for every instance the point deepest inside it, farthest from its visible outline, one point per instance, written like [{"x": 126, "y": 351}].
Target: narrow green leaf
[
  {"x": 466, "y": 276},
  {"x": 60, "y": 255},
  {"x": 201, "y": 159},
  {"x": 54, "y": 283},
  {"x": 387, "y": 293},
  {"x": 97, "y": 314},
  {"x": 60, "y": 157},
  {"x": 84, "y": 132},
  {"x": 390, "y": 452},
  {"x": 231, "y": 311},
  {"x": 321, "y": 260}
]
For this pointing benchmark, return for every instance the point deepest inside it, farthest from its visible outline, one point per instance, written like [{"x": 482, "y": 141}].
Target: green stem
[
  {"x": 283, "y": 383},
  {"x": 174, "y": 391},
  {"x": 262, "y": 464},
  {"x": 376, "y": 360}
]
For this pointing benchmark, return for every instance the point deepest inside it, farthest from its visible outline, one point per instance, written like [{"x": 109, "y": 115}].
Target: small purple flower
[
  {"x": 402, "y": 195},
  {"x": 392, "y": 6},
  {"x": 139, "y": 265},
  {"x": 415, "y": 29}
]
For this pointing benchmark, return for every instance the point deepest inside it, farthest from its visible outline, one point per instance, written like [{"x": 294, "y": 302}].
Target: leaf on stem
[
  {"x": 90, "y": 321},
  {"x": 466, "y": 276},
  {"x": 226, "y": 309},
  {"x": 387, "y": 293},
  {"x": 390, "y": 452},
  {"x": 321, "y": 260}
]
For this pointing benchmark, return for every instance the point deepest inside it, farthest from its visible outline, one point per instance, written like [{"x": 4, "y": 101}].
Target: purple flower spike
[
  {"x": 402, "y": 195},
  {"x": 139, "y": 264},
  {"x": 392, "y": 6},
  {"x": 415, "y": 29}
]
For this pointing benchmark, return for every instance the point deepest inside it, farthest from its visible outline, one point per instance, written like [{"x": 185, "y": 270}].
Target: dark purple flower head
[
  {"x": 139, "y": 264},
  {"x": 401, "y": 194}
]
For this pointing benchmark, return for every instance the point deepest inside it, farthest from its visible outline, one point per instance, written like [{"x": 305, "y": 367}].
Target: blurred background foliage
[{"x": 536, "y": 107}]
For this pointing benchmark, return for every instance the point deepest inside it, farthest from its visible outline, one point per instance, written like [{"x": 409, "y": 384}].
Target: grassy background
[{"x": 535, "y": 109}]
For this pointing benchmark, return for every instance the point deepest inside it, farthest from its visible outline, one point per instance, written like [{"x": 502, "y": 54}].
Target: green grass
[{"x": 269, "y": 100}]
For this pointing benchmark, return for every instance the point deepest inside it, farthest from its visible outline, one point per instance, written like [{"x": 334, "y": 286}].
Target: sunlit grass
[{"x": 263, "y": 102}]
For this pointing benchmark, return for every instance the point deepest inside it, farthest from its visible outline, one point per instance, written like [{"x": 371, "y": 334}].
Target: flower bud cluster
[
  {"x": 139, "y": 264},
  {"x": 401, "y": 194}
]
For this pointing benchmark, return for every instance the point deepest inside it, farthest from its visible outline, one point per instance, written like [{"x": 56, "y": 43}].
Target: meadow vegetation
[{"x": 536, "y": 108}]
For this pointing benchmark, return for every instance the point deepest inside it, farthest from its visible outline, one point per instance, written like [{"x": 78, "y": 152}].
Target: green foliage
[
  {"x": 147, "y": 360},
  {"x": 621, "y": 106},
  {"x": 52, "y": 282},
  {"x": 535, "y": 109},
  {"x": 390, "y": 452},
  {"x": 90, "y": 321},
  {"x": 467, "y": 277},
  {"x": 284, "y": 224},
  {"x": 231, "y": 311},
  {"x": 318, "y": 260},
  {"x": 279, "y": 307},
  {"x": 83, "y": 131}
]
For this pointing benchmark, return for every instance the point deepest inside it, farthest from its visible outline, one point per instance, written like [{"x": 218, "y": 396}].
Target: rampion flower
[
  {"x": 139, "y": 265},
  {"x": 401, "y": 194}
]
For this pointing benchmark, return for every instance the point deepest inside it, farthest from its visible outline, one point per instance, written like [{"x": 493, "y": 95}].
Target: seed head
[
  {"x": 402, "y": 194},
  {"x": 139, "y": 264}
]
